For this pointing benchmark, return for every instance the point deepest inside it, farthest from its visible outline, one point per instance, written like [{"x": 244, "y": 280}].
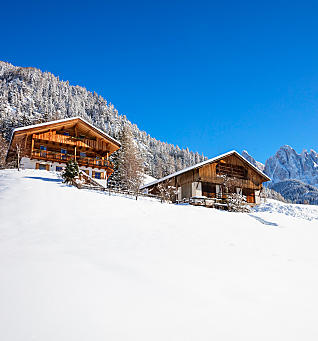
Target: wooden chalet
[
  {"x": 52, "y": 144},
  {"x": 212, "y": 180}
]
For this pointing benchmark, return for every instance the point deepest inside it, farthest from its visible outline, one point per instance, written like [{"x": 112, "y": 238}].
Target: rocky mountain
[
  {"x": 250, "y": 158},
  {"x": 294, "y": 176},
  {"x": 288, "y": 164},
  {"x": 30, "y": 96}
]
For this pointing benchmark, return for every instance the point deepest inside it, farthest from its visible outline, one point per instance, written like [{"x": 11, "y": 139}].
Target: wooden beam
[
  {"x": 32, "y": 145},
  {"x": 25, "y": 141}
]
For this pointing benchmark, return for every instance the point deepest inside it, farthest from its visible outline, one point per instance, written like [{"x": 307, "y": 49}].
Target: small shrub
[{"x": 237, "y": 203}]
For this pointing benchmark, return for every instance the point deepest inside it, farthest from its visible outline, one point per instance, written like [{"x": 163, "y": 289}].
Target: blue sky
[{"x": 208, "y": 75}]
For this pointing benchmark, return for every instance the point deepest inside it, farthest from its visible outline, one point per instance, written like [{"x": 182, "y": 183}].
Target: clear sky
[{"x": 208, "y": 75}]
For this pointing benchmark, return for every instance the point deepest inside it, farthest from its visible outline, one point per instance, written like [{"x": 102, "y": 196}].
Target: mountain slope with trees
[{"x": 29, "y": 96}]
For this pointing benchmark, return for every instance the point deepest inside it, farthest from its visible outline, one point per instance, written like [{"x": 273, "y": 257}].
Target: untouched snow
[
  {"x": 81, "y": 265},
  {"x": 309, "y": 212}
]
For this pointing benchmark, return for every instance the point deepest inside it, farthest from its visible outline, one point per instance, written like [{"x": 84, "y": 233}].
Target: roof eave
[{"x": 66, "y": 120}]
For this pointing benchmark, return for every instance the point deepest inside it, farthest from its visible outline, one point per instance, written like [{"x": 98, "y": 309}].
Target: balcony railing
[
  {"x": 63, "y": 158},
  {"x": 52, "y": 136}
]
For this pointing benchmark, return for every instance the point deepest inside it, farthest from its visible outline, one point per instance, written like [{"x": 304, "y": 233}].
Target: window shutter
[
  {"x": 37, "y": 165},
  {"x": 47, "y": 167},
  {"x": 93, "y": 174}
]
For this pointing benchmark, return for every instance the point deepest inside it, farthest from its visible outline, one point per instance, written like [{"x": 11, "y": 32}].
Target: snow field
[{"x": 82, "y": 265}]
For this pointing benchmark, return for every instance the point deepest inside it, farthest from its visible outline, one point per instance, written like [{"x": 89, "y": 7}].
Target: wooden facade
[
  {"x": 211, "y": 179},
  {"x": 50, "y": 145}
]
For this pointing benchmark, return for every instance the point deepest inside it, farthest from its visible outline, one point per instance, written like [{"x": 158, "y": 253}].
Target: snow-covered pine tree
[
  {"x": 129, "y": 164},
  {"x": 70, "y": 172},
  {"x": 3, "y": 151},
  {"x": 114, "y": 180}
]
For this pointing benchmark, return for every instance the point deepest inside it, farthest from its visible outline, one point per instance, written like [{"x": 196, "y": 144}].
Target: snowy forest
[{"x": 30, "y": 96}]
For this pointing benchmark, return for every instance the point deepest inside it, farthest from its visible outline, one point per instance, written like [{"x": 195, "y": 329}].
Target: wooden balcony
[
  {"x": 52, "y": 136},
  {"x": 63, "y": 158}
]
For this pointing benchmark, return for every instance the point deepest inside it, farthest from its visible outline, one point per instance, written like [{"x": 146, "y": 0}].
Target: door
[{"x": 250, "y": 195}]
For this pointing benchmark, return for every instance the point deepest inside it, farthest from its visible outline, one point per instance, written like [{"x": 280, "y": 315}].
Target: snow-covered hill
[{"x": 81, "y": 265}]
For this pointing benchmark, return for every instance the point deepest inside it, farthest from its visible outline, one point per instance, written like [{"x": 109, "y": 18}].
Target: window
[
  {"x": 98, "y": 160},
  {"x": 98, "y": 175},
  {"x": 43, "y": 151},
  {"x": 59, "y": 168},
  {"x": 82, "y": 154},
  {"x": 63, "y": 152},
  {"x": 66, "y": 133},
  {"x": 42, "y": 166}
]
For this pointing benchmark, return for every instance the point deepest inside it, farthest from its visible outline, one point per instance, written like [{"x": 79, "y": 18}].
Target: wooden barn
[
  {"x": 214, "y": 179},
  {"x": 52, "y": 144}
]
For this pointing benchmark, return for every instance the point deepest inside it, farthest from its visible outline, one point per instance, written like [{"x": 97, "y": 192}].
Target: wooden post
[
  {"x": 32, "y": 146},
  {"x": 75, "y": 154},
  {"x": 25, "y": 141}
]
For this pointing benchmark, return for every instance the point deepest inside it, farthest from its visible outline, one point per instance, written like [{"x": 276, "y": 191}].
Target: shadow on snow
[
  {"x": 263, "y": 221},
  {"x": 43, "y": 179}
]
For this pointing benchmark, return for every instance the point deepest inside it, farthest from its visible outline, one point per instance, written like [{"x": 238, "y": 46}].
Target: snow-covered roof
[
  {"x": 198, "y": 165},
  {"x": 66, "y": 120}
]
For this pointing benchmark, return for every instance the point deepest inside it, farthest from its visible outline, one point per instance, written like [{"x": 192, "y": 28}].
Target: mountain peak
[
  {"x": 287, "y": 164},
  {"x": 249, "y": 158}
]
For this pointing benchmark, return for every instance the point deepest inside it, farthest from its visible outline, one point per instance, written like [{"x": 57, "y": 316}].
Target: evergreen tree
[
  {"x": 114, "y": 179},
  {"x": 129, "y": 171},
  {"x": 3, "y": 151},
  {"x": 70, "y": 172}
]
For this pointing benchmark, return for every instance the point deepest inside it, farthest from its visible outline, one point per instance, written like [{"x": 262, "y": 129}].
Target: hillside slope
[
  {"x": 296, "y": 191},
  {"x": 30, "y": 96},
  {"x": 80, "y": 265}
]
